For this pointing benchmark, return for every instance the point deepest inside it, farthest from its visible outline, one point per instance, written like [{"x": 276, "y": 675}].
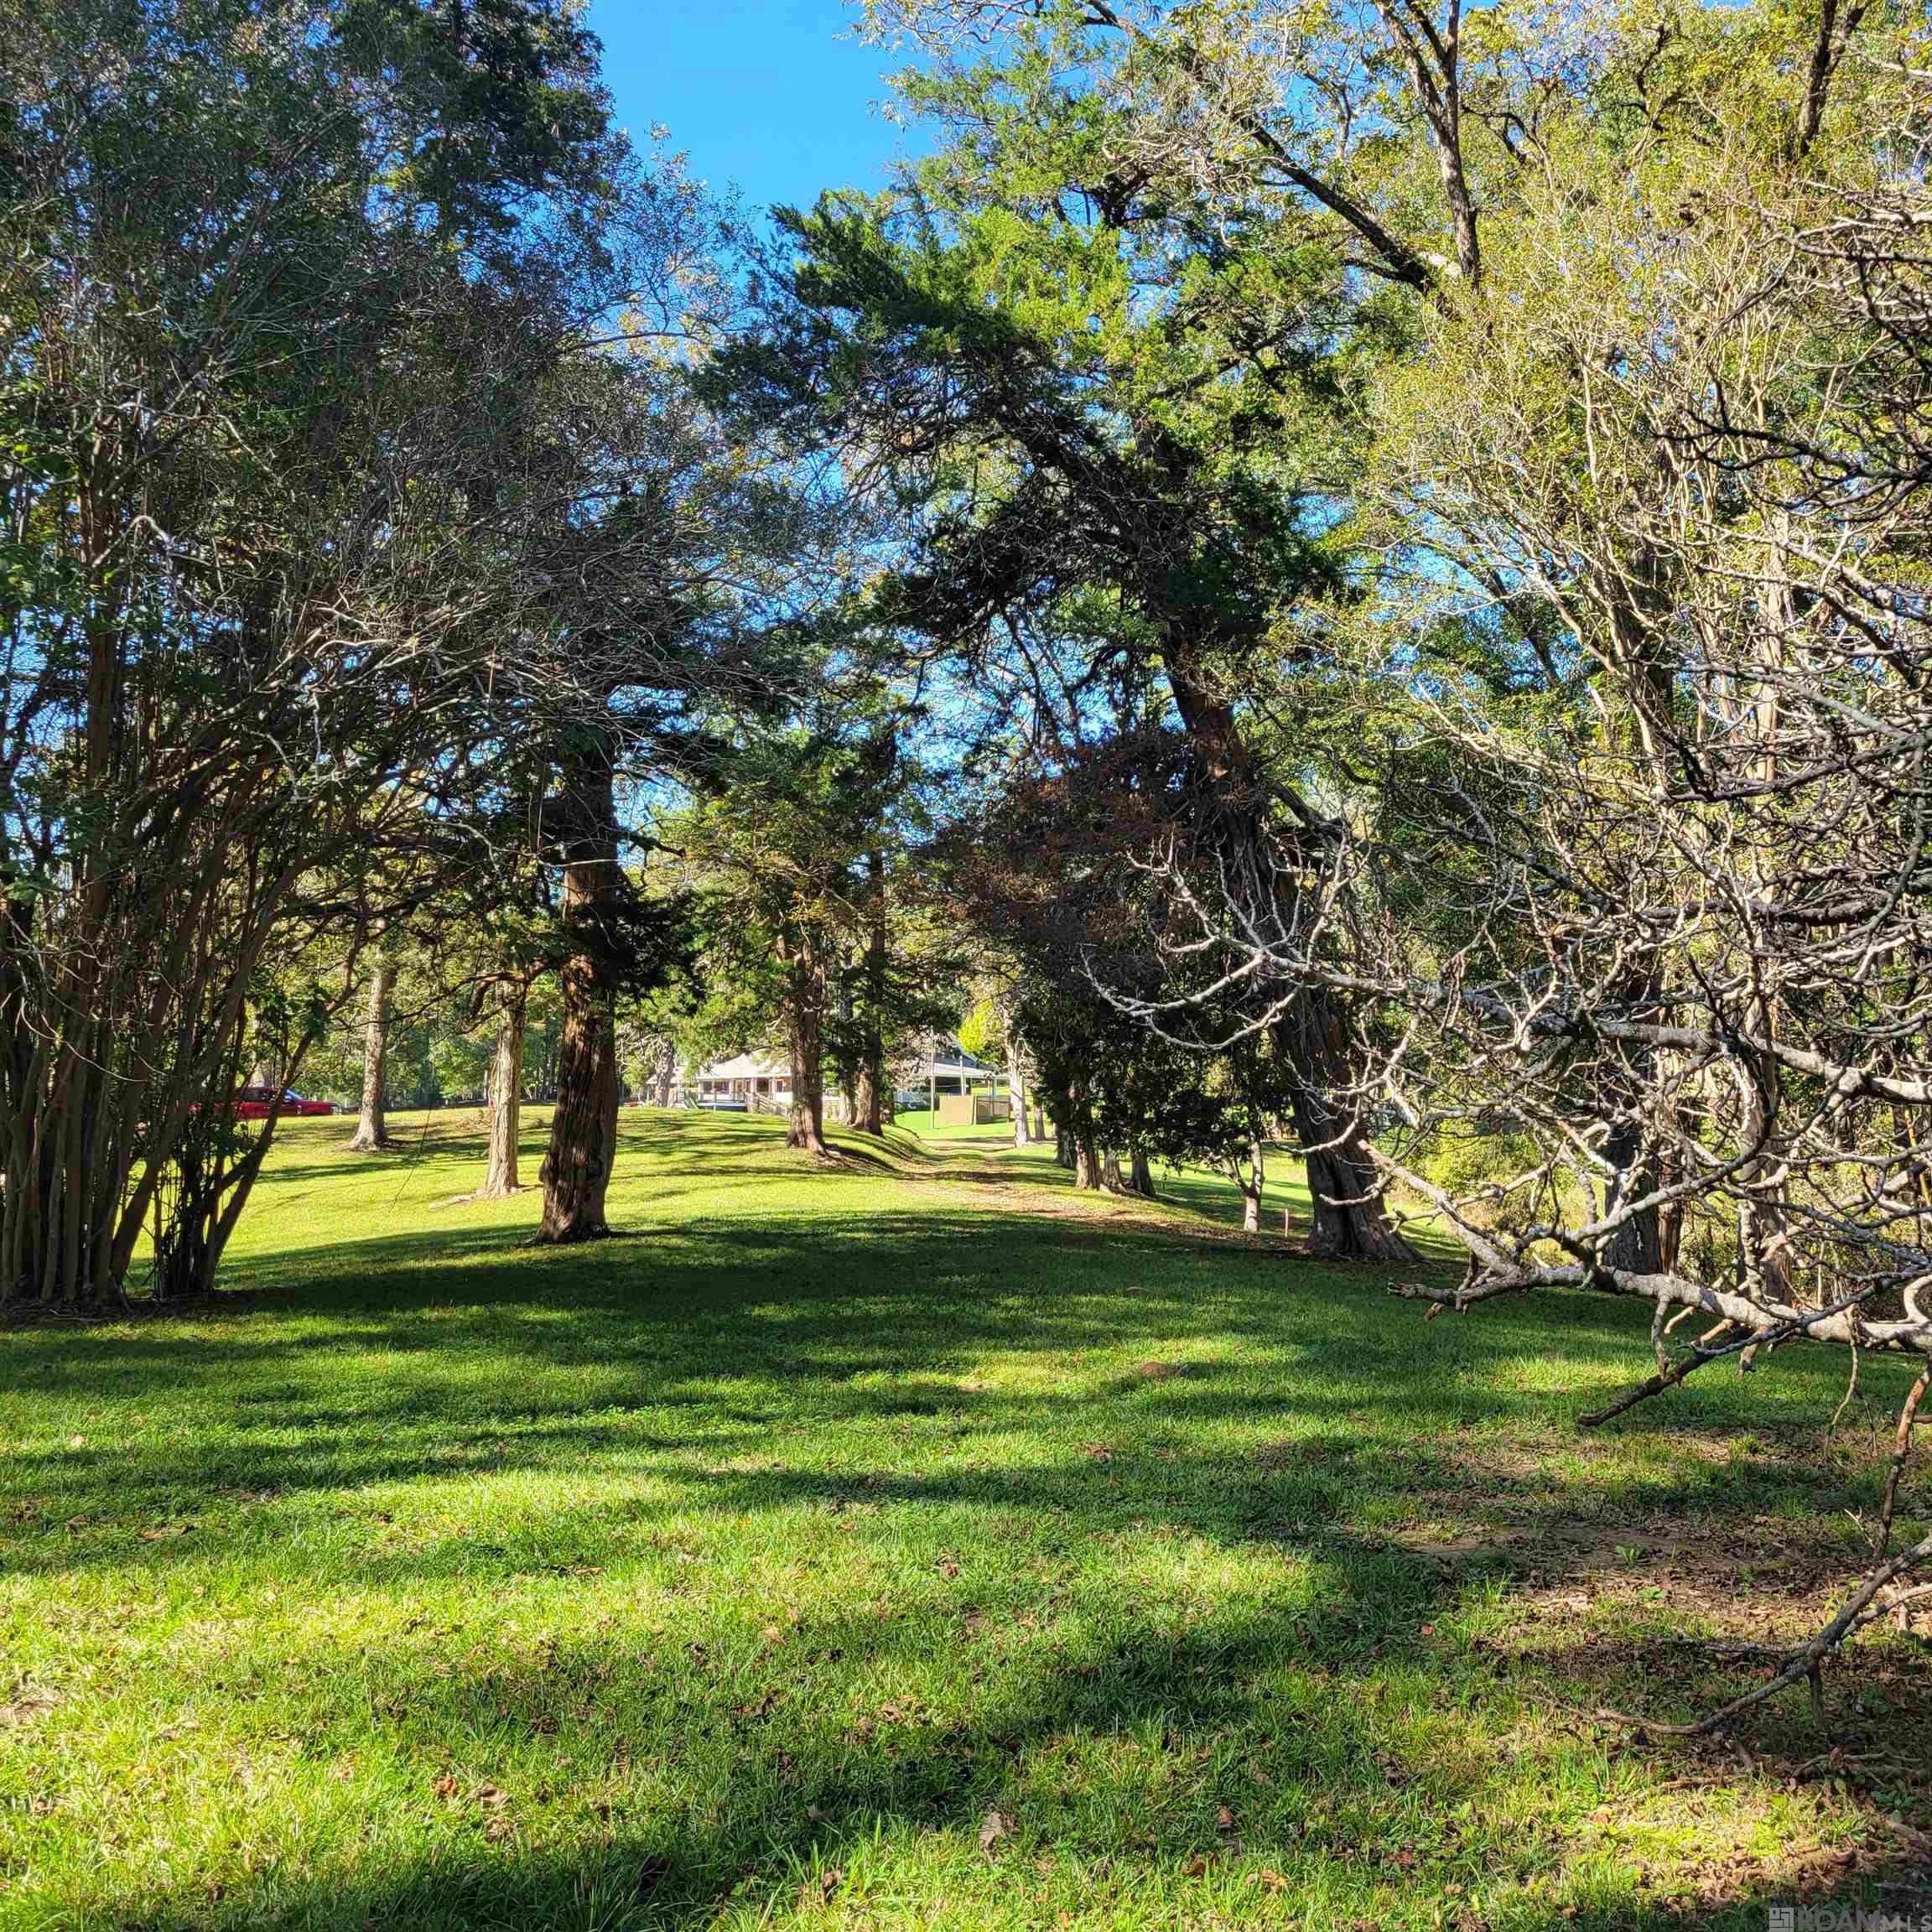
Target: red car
[{"x": 252, "y": 1104}]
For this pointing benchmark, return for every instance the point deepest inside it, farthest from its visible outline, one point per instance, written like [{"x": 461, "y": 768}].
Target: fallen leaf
[
  {"x": 29, "y": 1704},
  {"x": 1195, "y": 1868},
  {"x": 1225, "y": 1820},
  {"x": 446, "y": 1787},
  {"x": 491, "y": 1797},
  {"x": 165, "y": 1531},
  {"x": 1271, "y": 1880},
  {"x": 996, "y": 1825}
]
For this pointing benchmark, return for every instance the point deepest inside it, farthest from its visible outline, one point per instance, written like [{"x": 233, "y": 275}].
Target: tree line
[{"x": 1349, "y": 577}]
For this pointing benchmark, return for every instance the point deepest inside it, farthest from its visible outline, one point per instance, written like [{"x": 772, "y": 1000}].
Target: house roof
[
  {"x": 741, "y": 1066},
  {"x": 764, "y": 1064},
  {"x": 951, "y": 1057}
]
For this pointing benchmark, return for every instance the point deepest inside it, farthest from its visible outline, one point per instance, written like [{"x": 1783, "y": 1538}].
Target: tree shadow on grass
[
  {"x": 1105, "y": 1750},
  {"x": 449, "y": 1328},
  {"x": 705, "y": 1357}
]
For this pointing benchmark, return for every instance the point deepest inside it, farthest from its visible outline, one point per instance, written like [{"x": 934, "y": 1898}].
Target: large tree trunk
[
  {"x": 1637, "y": 1245},
  {"x": 1351, "y": 1219},
  {"x": 1141, "y": 1175},
  {"x": 1087, "y": 1172},
  {"x": 506, "y": 1095},
  {"x": 870, "y": 1098},
  {"x": 371, "y": 1124},
  {"x": 576, "y": 1171},
  {"x": 1086, "y": 1161},
  {"x": 1017, "y": 1080},
  {"x": 804, "y": 1032},
  {"x": 1250, "y": 1181}
]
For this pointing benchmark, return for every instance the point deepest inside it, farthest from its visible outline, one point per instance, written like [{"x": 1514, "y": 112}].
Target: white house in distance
[
  {"x": 745, "y": 1080},
  {"x": 760, "y": 1082}
]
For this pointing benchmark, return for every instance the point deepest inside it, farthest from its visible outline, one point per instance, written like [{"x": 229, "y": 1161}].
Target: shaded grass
[{"x": 740, "y": 1571}]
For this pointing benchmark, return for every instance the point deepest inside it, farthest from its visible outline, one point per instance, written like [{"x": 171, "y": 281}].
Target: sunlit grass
[{"x": 906, "y": 1543}]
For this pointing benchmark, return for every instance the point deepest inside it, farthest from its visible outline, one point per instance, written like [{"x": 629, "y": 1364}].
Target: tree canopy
[{"x": 1350, "y": 578}]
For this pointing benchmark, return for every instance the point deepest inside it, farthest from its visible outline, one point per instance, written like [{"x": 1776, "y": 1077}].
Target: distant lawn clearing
[{"x": 913, "y": 1543}]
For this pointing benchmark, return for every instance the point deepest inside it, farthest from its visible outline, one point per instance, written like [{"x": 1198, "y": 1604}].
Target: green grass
[
  {"x": 921, "y": 1123},
  {"x": 906, "y": 1544}
]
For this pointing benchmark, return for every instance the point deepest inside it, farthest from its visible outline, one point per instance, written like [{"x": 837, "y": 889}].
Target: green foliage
[
  {"x": 982, "y": 1033},
  {"x": 518, "y": 111}
]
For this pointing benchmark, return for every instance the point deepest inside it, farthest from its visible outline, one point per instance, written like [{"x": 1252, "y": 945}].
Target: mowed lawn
[{"x": 905, "y": 1544}]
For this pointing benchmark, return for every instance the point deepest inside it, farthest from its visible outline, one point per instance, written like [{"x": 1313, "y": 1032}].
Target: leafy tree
[
  {"x": 250, "y": 381},
  {"x": 1118, "y": 414},
  {"x": 785, "y": 858}
]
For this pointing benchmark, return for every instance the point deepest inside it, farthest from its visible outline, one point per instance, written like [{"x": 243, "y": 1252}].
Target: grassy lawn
[
  {"x": 911, "y": 1544},
  {"x": 924, "y": 1125}
]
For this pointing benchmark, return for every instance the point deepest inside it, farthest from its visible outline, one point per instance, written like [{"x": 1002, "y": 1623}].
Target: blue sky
[{"x": 775, "y": 97}]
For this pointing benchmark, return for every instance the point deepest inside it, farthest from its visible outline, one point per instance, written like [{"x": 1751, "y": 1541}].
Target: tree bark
[
  {"x": 1251, "y": 1182},
  {"x": 500, "y": 1177},
  {"x": 371, "y": 1124},
  {"x": 1637, "y": 1245},
  {"x": 1351, "y": 1221},
  {"x": 869, "y": 1098},
  {"x": 868, "y": 1104},
  {"x": 1017, "y": 1080},
  {"x": 576, "y": 1171},
  {"x": 1086, "y": 1171},
  {"x": 804, "y": 1026},
  {"x": 1141, "y": 1175}
]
